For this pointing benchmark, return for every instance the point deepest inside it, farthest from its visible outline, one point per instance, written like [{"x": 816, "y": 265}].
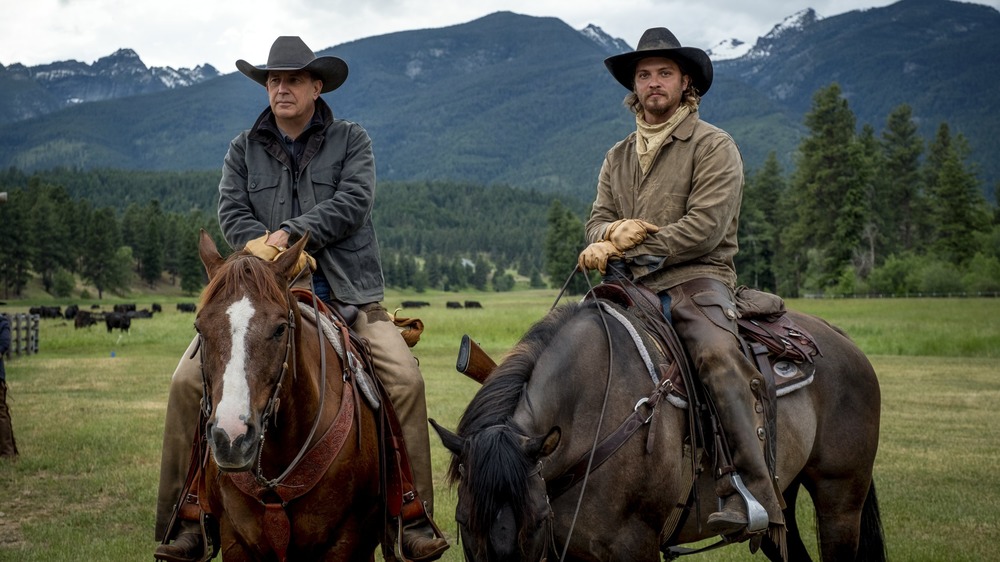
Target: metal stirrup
[{"x": 756, "y": 514}]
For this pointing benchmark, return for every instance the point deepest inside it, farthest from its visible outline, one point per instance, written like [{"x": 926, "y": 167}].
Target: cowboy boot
[
  {"x": 739, "y": 510},
  {"x": 421, "y": 540},
  {"x": 187, "y": 547}
]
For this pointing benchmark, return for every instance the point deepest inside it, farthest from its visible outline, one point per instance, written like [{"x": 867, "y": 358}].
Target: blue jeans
[
  {"x": 665, "y": 300},
  {"x": 322, "y": 287}
]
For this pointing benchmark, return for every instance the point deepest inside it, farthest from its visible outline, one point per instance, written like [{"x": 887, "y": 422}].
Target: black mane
[
  {"x": 497, "y": 469},
  {"x": 495, "y": 403}
]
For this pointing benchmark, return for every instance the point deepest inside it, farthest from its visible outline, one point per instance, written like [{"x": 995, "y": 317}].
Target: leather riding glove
[
  {"x": 260, "y": 248},
  {"x": 596, "y": 256},
  {"x": 626, "y": 234}
]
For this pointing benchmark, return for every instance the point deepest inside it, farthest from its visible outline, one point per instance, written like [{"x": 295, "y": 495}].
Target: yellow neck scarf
[{"x": 649, "y": 138}]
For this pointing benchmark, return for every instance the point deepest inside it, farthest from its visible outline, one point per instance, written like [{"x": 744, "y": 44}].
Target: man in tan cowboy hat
[
  {"x": 666, "y": 213},
  {"x": 297, "y": 170}
]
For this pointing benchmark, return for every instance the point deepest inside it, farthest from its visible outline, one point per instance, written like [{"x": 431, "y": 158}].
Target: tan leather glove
[
  {"x": 260, "y": 248},
  {"x": 626, "y": 234},
  {"x": 596, "y": 256},
  {"x": 304, "y": 260}
]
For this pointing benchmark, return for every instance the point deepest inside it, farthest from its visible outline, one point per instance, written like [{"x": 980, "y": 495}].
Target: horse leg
[
  {"x": 839, "y": 504},
  {"x": 797, "y": 551}
]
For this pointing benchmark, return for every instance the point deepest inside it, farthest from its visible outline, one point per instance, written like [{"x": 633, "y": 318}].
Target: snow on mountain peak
[{"x": 729, "y": 49}]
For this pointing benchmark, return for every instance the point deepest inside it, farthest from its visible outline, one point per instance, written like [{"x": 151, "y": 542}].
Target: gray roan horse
[{"x": 573, "y": 378}]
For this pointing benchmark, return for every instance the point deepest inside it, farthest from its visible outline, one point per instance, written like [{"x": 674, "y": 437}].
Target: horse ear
[
  {"x": 291, "y": 261},
  {"x": 209, "y": 253},
  {"x": 542, "y": 446},
  {"x": 451, "y": 441}
]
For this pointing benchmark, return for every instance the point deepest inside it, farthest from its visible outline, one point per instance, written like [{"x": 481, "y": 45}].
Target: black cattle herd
[{"x": 120, "y": 318}]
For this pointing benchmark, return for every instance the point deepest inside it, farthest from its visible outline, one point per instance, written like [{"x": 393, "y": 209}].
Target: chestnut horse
[
  {"x": 565, "y": 387},
  {"x": 293, "y": 472}
]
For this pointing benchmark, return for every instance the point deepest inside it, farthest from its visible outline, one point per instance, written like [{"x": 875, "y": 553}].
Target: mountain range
[
  {"x": 521, "y": 100},
  {"x": 46, "y": 88}
]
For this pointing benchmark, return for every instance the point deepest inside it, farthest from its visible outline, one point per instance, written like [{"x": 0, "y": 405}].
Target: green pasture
[{"x": 88, "y": 417}]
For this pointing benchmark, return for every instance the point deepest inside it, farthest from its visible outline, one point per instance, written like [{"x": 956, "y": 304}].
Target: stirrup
[{"x": 757, "y": 519}]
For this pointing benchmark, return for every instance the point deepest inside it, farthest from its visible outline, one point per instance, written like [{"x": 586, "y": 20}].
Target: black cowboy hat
[
  {"x": 659, "y": 42},
  {"x": 291, "y": 53}
]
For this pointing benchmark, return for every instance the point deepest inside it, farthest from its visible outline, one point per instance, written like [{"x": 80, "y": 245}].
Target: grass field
[{"x": 88, "y": 416}]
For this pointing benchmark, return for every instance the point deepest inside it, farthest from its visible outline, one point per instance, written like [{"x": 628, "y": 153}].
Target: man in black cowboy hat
[
  {"x": 666, "y": 213},
  {"x": 299, "y": 170}
]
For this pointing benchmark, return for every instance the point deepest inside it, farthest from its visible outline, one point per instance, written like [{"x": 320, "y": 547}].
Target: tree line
[
  {"x": 441, "y": 235},
  {"x": 48, "y": 234},
  {"x": 867, "y": 213},
  {"x": 862, "y": 212}
]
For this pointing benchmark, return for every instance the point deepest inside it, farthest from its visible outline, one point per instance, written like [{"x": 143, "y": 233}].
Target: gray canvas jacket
[
  {"x": 692, "y": 192},
  {"x": 335, "y": 186}
]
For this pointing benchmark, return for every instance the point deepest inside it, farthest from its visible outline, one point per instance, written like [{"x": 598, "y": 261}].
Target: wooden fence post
[{"x": 24, "y": 334}]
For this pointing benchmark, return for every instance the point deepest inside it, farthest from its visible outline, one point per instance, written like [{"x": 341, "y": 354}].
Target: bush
[
  {"x": 63, "y": 283},
  {"x": 982, "y": 275},
  {"x": 939, "y": 278}
]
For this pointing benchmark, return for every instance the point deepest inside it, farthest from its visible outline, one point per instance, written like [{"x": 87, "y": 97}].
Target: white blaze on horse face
[{"x": 234, "y": 408}]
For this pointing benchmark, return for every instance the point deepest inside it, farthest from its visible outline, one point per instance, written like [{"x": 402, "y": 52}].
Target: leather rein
[{"x": 604, "y": 449}]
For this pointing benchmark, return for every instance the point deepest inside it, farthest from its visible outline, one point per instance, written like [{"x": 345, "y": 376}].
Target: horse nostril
[
  {"x": 246, "y": 441},
  {"x": 218, "y": 434}
]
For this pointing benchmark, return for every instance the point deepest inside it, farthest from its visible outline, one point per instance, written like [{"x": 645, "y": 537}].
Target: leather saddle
[{"x": 782, "y": 350}]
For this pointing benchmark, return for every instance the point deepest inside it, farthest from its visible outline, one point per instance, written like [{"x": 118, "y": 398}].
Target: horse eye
[{"x": 280, "y": 331}]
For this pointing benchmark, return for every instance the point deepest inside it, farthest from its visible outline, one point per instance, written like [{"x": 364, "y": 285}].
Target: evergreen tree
[
  {"x": 173, "y": 224},
  {"x": 133, "y": 230},
  {"x": 758, "y": 232},
  {"x": 150, "y": 246},
  {"x": 191, "y": 270},
  {"x": 535, "y": 280},
  {"x": 50, "y": 232},
  {"x": 16, "y": 244},
  {"x": 828, "y": 188},
  {"x": 435, "y": 275},
  {"x": 858, "y": 219},
  {"x": 956, "y": 208},
  {"x": 480, "y": 273},
  {"x": 99, "y": 265},
  {"x": 564, "y": 240},
  {"x": 900, "y": 198}
]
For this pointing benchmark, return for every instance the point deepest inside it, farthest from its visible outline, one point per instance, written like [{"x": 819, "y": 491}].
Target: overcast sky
[{"x": 186, "y": 33}]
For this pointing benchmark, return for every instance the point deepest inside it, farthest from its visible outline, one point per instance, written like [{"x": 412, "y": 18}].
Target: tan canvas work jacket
[{"x": 692, "y": 192}]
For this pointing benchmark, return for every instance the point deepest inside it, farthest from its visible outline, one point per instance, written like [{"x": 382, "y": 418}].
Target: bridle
[
  {"x": 274, "y": 401},
  {"x": 548, "y": 533}
]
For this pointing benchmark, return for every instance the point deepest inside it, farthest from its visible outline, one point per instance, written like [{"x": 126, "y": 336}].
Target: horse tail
[{"x": 871, "y": 544}]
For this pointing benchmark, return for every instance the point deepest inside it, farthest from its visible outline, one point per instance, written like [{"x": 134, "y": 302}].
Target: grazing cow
[
  {"x": 186, "y": 306},
  {"x": 415, "y": 304},
  {"x": 117, "y": 320},
  {"x": 46, "y": 311},
  {"x": 83, "y": 319},
  {"x": 157, "y": 307},
  {"x": 144, "y": 313},
  {"x": 453, "y": 304},
  {"x": 124, "y": 308},
  {"x": 473, "y": 304},
  {"x": 71, "y": 312}
]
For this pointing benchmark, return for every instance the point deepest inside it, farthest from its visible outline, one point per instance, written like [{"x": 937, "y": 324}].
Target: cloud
[{"x": 186, "y": 33}]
